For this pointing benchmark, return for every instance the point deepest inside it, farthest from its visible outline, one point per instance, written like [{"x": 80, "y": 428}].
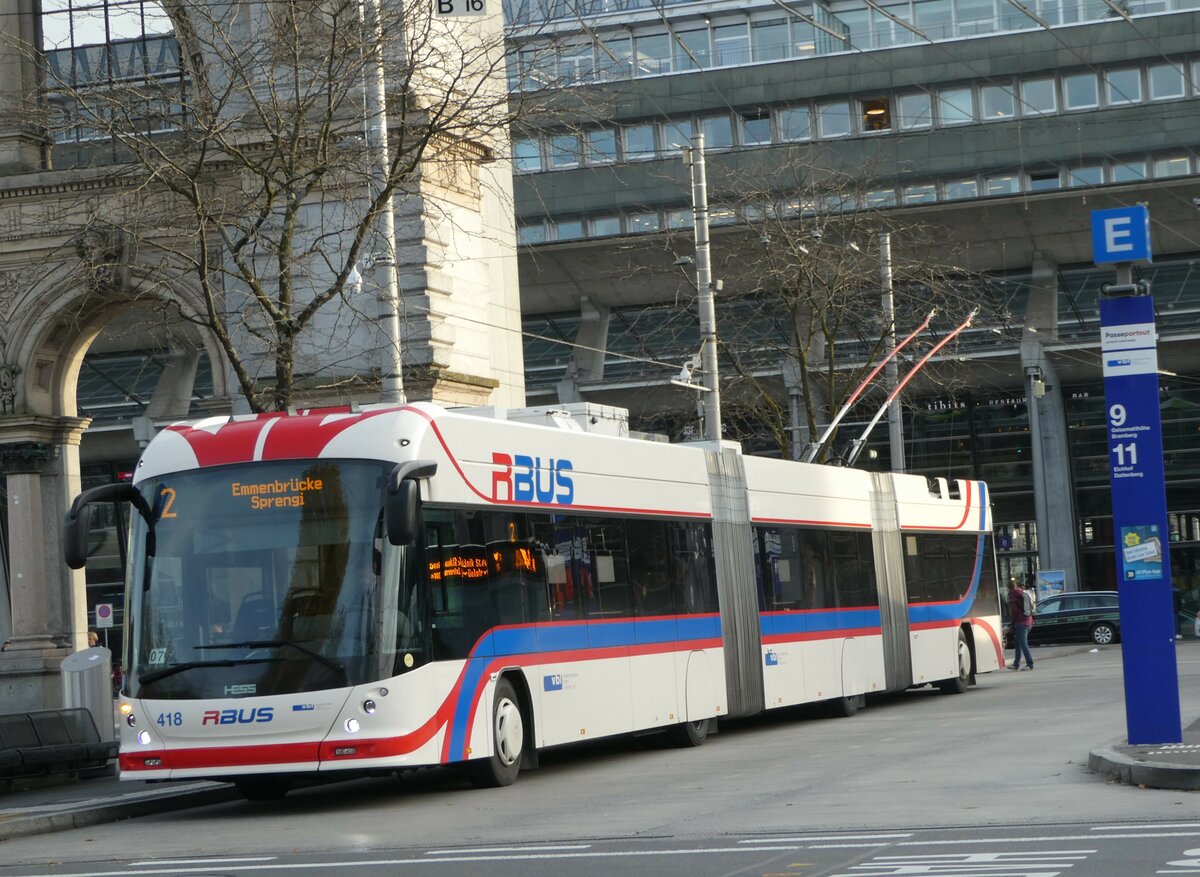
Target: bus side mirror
[
  {"x": 400, "y": 513},
  {"x": 79, "y": 519}
]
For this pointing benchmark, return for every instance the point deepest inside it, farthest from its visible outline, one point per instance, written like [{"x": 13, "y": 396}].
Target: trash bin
[{"x": 87, "y": 683}]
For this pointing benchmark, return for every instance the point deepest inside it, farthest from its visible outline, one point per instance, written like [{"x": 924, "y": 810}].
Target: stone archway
[{"x": 47, "y": 324}]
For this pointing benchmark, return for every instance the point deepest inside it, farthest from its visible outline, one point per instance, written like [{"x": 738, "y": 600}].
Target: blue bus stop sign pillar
[{"x": 1129, "y": 353}]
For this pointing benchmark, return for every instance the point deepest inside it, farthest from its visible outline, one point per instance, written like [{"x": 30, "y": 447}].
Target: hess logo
[
  {"x": 522, "y": 478},
  {"x": 256, "y": 715}
]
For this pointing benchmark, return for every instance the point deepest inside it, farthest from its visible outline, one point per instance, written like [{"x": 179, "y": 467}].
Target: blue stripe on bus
[{"x": 829, "y": 620}]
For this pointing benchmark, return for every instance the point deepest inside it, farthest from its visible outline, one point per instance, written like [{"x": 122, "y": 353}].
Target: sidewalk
[{"x": 1157, "y": 766}]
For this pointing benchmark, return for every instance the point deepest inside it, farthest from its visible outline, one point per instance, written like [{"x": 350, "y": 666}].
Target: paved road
[{"x": 999, "y": 771}]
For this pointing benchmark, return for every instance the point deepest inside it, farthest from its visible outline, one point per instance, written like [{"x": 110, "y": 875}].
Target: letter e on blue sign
[{"x": 1121, "y": 235}]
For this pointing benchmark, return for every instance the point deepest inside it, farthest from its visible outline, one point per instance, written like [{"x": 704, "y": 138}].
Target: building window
[
  {"x": 1038, "y": 98},
  {"x": 1002, "y": 184},
  {"x": 877, "y": 115},
  {"x": 921, "y": 194},
  {"x": 616, "y": 58},
  {"x": 680, "y": 218},
  {"x": 934, "y": 17},
  {"x": 568, "y": 229},
  {"x": 675, "y": 135},
  {"x": 722, "y": 215},
  {"x": 652, "y": 54},
  {"x": 804, "y": 39},
  {"x": 756, "y": 129},
  {"x": 691, "y": 49},
  {"x": 731, "y": 44},
  {"x": 604, "y": 226},
  {"x": 1127, "y": 172},
  {"x": 1172, "y": 166},
  {"x": 527, "y": 155},
  {"x": 956, "y": 106},
  {"x": 914, "y": 111},
  {"x": 957, "y": 189},
  {"x": 1166, "y": 82},
  {"x": 718, "y": 132},
  {"x": 1080, "y": 91},
  {"x": 1091, "y": 175},
  {"x": 997, "y": 102},
  {"x": 531, "y": 233},
  {"x": 640, "y": 223},
  {"x": 1123, "y": 86},
  {"x": 564, "y": 150},
  {"x": 975, "y": 16},
  {"x": 601, "y": 146},
  {"x": 1044, "y": 181},
  {"x": 793, "y": 123},
  {"x": 880, "y": 198},
  {"x": 833, "y": 120},
  {"x": 769, "y": 39},
  {"x": 639, "y": 142},
  {"x": 577, "y": 64}
]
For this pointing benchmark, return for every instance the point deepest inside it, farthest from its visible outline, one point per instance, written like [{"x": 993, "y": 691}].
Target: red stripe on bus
[
  {"x": 991, "y": 632},
  {"x": 222, "y": 756},
  {"x": 777, "y": 638}
]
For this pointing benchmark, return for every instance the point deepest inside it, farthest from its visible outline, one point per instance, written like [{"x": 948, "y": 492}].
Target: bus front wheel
[
  {"x": 962, "y": 681},
  {"x": 508, "y": 742}
]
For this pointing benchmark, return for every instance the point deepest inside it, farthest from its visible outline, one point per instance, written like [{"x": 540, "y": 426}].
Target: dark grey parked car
[{"x": 1084, "y": 616}]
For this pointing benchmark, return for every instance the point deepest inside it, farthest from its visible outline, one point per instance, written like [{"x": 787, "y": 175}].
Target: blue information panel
[{"x": 1129, "y": 353}]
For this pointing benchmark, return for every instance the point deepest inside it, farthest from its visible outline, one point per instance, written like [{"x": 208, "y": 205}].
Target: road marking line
[
  {"x": 1059, "y": 837},
  {"x": 474, "y": 851},
  {"x": 807, "y": 838},
  {"x": 201, "y": 861},
  {"x": 1143, "y": 827}
]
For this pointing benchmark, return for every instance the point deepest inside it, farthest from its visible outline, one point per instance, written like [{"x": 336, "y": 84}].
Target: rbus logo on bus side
[{"x": 523, "y": 478}]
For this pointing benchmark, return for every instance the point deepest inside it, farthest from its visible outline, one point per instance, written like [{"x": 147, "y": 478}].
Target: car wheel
[
  {"x": 962, "y": 681},
  {"x": 1103, "y": 633},
  {"x": 508, "y": 742}
]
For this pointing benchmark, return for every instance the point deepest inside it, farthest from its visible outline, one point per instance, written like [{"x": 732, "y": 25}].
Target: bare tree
[
  {"x": 249, "y": 180},
  {"x": 800, "y": 323}
]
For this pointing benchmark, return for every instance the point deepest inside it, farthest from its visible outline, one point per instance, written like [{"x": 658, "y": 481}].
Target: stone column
[
  {"x": 23, "y": 145},
  {"x": 40, "y": 459}
]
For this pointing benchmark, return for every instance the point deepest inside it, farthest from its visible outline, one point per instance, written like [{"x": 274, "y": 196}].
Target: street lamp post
[
  {"x": 694, "y": 158},
  {"x": 387, "y": 281}
]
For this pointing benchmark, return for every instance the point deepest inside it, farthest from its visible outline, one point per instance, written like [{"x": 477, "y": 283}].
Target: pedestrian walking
[{"x": 1022, "y": 620}]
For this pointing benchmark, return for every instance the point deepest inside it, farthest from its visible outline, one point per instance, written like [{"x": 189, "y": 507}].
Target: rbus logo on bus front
[{"x": 523, "y": 478}]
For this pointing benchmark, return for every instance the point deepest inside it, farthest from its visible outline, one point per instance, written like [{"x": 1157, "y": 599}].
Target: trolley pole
[
  {"x": 694, "y": 158},
  {"x": 387, "y": 281}
]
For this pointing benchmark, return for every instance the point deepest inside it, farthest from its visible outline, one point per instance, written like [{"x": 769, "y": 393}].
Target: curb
[
  {"x": 84, "y": 815},
  {"x": 1152, "y": 774}
]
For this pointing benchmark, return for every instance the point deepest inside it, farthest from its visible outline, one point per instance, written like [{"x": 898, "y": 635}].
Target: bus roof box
[{"x": 574, "y": 416}]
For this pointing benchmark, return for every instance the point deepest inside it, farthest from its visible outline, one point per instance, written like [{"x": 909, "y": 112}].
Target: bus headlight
[
  {"x": 351, "y": 726},
  {"x": 368, "y": 706},
  {"x": 131, "y": 720},
  {"x": 144, "y": 738}
]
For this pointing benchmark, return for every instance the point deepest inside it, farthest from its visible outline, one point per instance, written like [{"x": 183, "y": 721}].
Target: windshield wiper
[
  {"x": 155, "y": 675},
  {"x": 276, "y": 643}
]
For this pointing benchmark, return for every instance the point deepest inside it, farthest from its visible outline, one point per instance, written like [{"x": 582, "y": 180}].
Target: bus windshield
[{"x": 266, "y": 578}]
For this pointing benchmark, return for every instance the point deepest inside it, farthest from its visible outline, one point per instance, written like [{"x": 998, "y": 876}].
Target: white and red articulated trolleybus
[{"x": 395, "y": 587}]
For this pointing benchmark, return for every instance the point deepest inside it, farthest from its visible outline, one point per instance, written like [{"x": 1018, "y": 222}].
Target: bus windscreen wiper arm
[
  {"x": 276, "y": 643},
  {"x": 155, "y": 675}
]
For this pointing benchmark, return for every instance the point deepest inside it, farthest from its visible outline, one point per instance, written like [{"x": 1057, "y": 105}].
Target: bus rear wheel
[
  {"x": 262, "y": 788},
  {"x": 508, "y": 742},
  {"x": 688, "y": 734},
  {"x": 962, "y": 681}
]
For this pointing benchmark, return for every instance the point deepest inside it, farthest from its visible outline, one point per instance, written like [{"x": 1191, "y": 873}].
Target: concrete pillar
[
  {"x": 587, "y": 360},
  {"x": 23, "y": 144},
  {"x": 1053, "y": 486},
  {"x": 40, "y": 460}
]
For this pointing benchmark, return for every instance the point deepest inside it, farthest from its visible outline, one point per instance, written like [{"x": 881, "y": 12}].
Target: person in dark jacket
[{"x": 1020, "y": 626}]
